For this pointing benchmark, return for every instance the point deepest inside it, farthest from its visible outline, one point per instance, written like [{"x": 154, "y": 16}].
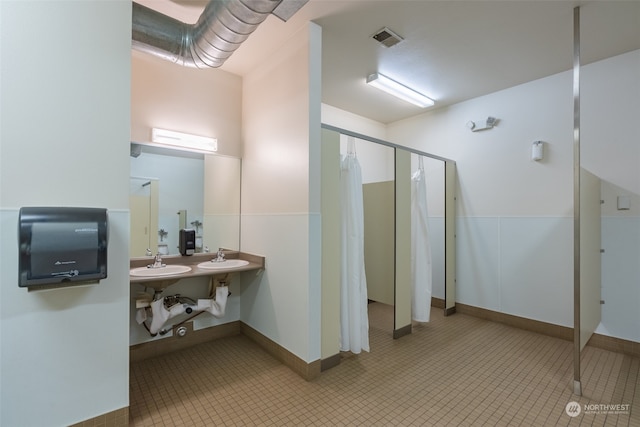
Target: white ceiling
[{"x": 452, "y": 50}]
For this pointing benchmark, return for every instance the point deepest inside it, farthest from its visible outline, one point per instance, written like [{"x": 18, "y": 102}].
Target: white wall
[
  {"x": 65, "y": 142},
  {"x": 514, "y": 232},
  {"x": 343, "y": 119},
  {"x": 281, "y": 194},
  {"x": 610, "y": 107}
]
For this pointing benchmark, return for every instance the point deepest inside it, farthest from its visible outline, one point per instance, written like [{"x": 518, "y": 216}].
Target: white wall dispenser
[{"x": 537, "y": 150}]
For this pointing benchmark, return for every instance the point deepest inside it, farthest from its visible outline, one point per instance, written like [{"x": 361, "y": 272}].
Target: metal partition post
[
  {"x": 450, "y": 184},
  {"x": 577, "y": 386}
]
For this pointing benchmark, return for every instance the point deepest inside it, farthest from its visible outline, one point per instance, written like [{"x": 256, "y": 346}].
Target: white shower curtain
[
  {"x": 354, "y": 319},
  {"x": 420, "y": 248}
]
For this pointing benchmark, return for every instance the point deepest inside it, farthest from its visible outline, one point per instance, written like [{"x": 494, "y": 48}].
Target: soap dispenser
[{"x": 187, "y": 241}]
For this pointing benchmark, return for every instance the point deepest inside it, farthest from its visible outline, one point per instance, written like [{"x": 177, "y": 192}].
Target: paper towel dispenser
[{"x": 62, "y": 244}]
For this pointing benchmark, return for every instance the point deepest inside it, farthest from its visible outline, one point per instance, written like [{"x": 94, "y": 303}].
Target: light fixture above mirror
[{"x": 183, "y": 141}]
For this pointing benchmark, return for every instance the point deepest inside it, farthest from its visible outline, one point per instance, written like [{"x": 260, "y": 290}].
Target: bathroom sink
[
  {"x": 219, "y": 265},
  {"x": 167, "y": 270}
]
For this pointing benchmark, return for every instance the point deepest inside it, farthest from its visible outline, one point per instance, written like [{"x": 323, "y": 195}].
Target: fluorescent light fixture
[
  {"x": 399, "y": 90},
  {"x": 181, "y": 140}
]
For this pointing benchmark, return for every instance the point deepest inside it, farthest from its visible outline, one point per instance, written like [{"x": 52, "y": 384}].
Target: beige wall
[
  {"x": 379, "y": 240},
  {"x": 204, "y": 102},
  {"x": 276, "y": 132},
  {"x": 221, "y": 202},
  {"x": 201, "y": 102},
  {"x": 280, "y": 194}
]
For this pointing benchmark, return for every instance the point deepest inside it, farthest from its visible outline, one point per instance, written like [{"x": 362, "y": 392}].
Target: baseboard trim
[
  {"x": 399, "y": 333},
  {"x": 312, "y": 370},
  {"x": 117, "y": 418},
  {"x": 330, "y": 362},
  {"x": 618, "y": 345},
  {"x": 544, "y": 328},
  {"x": 437, "y": 302},
  {"x": 170, "y": 344},
  {"x": 308, "y": 371}
]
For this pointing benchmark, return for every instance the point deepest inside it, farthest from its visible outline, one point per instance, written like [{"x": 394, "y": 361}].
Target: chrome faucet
[
  {"x": 157, "y": 262},
  {"x": 220, "y": 257}
]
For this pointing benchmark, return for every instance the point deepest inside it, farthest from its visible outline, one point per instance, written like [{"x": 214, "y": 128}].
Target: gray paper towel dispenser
[{"x": 62, "y": 244}]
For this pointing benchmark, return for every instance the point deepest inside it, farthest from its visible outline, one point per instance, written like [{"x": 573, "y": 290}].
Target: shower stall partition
[{"x": 400, "y": 250}]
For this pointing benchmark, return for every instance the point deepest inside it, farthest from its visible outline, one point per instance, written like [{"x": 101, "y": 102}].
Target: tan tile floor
[{"x": 453, "y": 371}]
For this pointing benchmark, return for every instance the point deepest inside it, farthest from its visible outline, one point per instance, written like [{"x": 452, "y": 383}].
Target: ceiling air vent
[{"x": 387, "y": 38}]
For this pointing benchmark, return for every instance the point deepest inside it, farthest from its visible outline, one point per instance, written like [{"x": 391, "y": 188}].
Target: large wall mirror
[{"x": 175, "y": 189}]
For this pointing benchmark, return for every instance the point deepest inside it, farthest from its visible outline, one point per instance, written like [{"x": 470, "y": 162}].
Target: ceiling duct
[{"x": 219, "y": 31}]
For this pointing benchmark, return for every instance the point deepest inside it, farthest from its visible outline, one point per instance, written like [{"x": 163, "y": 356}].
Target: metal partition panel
[
  {"x": 379, "y": 231},
  {"x": 450, "y": 237},
  {"x": 402, "y": 319},
  {"x": 331, "y": 252},
  {"x": 590, "y": 255}
]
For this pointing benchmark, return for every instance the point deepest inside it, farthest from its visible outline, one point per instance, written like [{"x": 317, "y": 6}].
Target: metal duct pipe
[{"x": 222, "y": 27}]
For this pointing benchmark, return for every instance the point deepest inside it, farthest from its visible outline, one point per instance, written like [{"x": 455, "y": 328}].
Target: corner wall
[
  {"x": 281, "y": 194},
  {"x": 514, "y": 215},
  {"x": 64, "y": 141},
  {"x": 515, "y": 218}
]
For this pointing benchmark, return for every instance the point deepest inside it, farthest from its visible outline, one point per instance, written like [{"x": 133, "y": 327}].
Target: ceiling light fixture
[
  {"x": 399, "y": 90},
  {"x": 172, "y": 139}
]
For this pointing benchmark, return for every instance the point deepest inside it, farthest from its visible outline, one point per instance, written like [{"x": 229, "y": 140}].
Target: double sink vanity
[
  {"x": 177, "y": 267},
  {"x": 154, "y": 309}
]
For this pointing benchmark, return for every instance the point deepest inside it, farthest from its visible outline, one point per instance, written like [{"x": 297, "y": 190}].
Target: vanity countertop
[{"x": 255, "y": 262}]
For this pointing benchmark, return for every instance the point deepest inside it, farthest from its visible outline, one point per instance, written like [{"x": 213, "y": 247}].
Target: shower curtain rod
[{"x": 382, "y": 142}]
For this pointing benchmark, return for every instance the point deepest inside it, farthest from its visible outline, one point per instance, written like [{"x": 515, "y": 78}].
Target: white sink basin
[
  {"x": 228, "y": 263},
  {"x": 167, "y": 270}
]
